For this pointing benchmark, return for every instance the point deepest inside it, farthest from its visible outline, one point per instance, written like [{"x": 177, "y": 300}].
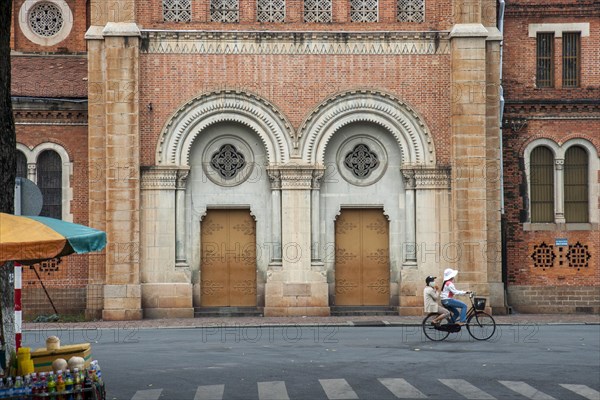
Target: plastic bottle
[
  {"x": 77, "y": 384},
  {"x": 97, "y": 371},
  {"x": 35, "y": 388},
  {"x": 27, "y": 385},
  {"x": 43, "y": 383},
  {"x": 60, "y": 381},
  {"x": 18, "y": 386},
  {"x": 8, "y": 387},
  {"x": 88, "y": 384},
  {"x": 69, "y": 385},
  {"x": 51, "y": 383}
]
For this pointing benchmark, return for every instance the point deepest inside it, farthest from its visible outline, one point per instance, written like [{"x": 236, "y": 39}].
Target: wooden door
[
  {"x": 228, "y": 259},
  {"x": 362, "y": 272}
]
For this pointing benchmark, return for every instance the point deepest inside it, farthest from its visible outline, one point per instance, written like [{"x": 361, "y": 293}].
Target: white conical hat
[{"x": 449, "y": 273}]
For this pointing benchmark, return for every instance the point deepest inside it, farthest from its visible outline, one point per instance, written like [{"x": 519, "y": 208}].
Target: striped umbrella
[{"x": 29, "y": 240}]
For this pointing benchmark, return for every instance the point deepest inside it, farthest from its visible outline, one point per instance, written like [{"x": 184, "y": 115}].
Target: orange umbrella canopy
[{"x": 32, "y": 239}]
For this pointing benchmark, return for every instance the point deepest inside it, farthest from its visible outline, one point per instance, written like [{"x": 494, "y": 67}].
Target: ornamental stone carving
[
  {"x": 296, "y": 43},
  {"x": 159, "y": 178},
  {"x": 426, "y": 178},
  {"x": 298, "y": 177}
]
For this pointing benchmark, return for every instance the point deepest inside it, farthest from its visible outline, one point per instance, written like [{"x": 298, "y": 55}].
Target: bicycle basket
[{"x": 479, "y": 303}]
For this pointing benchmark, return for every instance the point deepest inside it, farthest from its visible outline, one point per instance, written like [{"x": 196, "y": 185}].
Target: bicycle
[{"x": 480, "y": 325}]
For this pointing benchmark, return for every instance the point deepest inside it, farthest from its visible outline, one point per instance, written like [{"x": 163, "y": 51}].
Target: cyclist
[
  {"x": 431, "y": 295},
  {"x": 458, "y": 308}
]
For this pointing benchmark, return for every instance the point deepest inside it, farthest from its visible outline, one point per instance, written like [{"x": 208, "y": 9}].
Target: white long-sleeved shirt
[{"x": 449, "y": 291}]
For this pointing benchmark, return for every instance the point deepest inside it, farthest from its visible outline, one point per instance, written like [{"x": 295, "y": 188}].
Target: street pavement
[{"x": 529, "y": 357}]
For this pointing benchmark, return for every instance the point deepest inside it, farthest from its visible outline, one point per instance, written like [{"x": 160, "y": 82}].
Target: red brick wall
[
  {"x": 49, "y": 76},
  {"x": 438, "y": 16},
  {"x": 519, "y": 68},
  {"x": 293, "y": 84},
  {"x": 74, "y": 43}
]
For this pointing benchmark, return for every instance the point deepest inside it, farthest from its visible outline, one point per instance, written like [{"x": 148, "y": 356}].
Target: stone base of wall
[
  {"x": 285, "y": 298},
  {"x": 167, "y": 300},
  {"x": 554, "y": 299}
]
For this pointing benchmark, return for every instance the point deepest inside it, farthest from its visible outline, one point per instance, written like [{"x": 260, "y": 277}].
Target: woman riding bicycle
[{"x": 448, "y": 300}]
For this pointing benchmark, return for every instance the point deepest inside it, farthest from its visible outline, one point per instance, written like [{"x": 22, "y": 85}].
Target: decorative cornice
[
  {"x": 426, "y": 178},
  {"x": 159, "y": 178},
  {"x": 251, "y": 42},
  {"x": 55, "y": 117},
  {"x": 546, "y": 108}
]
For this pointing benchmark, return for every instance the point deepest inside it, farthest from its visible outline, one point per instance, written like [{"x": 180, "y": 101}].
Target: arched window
[
  {"x": 49, "y": 173},
  {"x": 21, "y": 165},
  {"x": 576, "y": 185},
  {"x": 542, "y": 185}
]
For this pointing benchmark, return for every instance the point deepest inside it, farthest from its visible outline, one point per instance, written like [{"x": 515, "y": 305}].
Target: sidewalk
[{"x": 388, "y": 320}]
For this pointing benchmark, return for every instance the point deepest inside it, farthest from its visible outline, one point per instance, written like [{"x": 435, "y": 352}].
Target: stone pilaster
[
  {"x": 166, "y": 286},
  {"x": 296, "y": 289},
  {"x": 114, "y": 155}
]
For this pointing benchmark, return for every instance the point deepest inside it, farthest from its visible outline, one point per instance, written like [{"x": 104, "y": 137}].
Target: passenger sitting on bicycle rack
[
  {"x": 448, "y": 300},
  {"x": 431, "y": 296}
]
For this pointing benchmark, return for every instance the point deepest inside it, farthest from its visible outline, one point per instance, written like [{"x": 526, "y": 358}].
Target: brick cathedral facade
[{"x": 313, "y": 157}]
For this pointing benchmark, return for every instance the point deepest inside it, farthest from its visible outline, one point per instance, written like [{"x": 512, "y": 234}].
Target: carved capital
[
  {"x": 182, "y": 175},
  {"x": 274, "y": 177},
  {"x": 159, "y": 178},
  {"x": 409, "y": 178},
  {"x": 559, "y": 163},
  {"x": 296, "y": 177},
  {"x": 317, "y": 176}
]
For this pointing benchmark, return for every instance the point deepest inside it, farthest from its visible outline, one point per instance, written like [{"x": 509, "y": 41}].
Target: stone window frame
[
  {"x": 32, "y": 154},
  {"x": 41, "y": 40},
  {"x": 403, "y": 16},
  {"x": 228, "y": 15},
  {"x": 361, "y": 12},
  {"x": 180, "y": 13},
  {"x": 559, "y": 152},
  {"x": 318, "y": 12},
  {"x": 267, "y": 15}
]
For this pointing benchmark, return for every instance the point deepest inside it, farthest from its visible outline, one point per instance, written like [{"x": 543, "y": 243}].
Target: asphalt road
[{"x": 333, "y": 362}]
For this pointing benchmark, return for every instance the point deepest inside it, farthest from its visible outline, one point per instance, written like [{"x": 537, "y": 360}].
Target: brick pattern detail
[{"x": 554, "y": 299}]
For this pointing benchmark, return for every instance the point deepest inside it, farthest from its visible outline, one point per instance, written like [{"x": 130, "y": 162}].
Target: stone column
[
  {"x": 275, "y": 246},
  {"x": 296, "y": 289},
  {"x": 559, "y": 199},
  {"x": 410, "y": 245},
  {"x": 166, "y": 286},
  {"x": 316, "y": 218},
  {"x": 180, "y": 228}
]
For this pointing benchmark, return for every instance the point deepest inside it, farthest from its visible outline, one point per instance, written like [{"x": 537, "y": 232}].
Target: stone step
[
  {"x": 200, "y": 312},
  {"x": 363, "y": 310}
]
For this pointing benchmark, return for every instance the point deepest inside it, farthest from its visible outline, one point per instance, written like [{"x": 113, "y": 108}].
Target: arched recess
[
  {"x": 207, "y": 109},
  {"x": 32, "y": 154},
  {"x": 405, "y": 124}
]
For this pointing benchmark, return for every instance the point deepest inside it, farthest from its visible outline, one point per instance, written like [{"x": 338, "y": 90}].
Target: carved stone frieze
[
  {"x": 246, "y": 42},
  {"x": 159, "y": 178},
  {"x": 426, "y": 178},
  {"x": 299, "y": 177}
]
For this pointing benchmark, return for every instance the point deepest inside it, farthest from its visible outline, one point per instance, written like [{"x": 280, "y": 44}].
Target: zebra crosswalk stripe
[
  {"x": 466, "y": 389},
  {"x": 583, "y": 391},
  {"x": 337, "y": 389},
  {"x": 210, "y": 392},
  {"x": 526, "y": 390},
  {"x": 272, "y": 391},
  {"x": 150, "y": 394},
  {"x": 401, "y": 388}
]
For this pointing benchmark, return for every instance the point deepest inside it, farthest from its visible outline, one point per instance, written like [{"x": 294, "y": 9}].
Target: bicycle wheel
[
  {"x": 431, "y": 331},
  {"x": 481, "y": 325}
]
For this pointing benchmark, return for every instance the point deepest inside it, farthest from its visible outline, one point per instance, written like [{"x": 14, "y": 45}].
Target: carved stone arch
[
  {"x": 405, "y": 124},
  {"x": 189, "y": 120}
]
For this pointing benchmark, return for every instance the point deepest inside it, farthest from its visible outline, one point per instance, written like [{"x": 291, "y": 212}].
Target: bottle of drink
[
  {"x": 35, "y": 388},
  {"x": 18, "y": 386},
  {"x": 8, "y": 387},
  {"x": 88, "y": 384},
  {"x": 97, "y": 371},
  {"x": 69, "y": 384},
  {"x": 27, "y": 385},
  {"x": 43, "y": 383},
  {"x": 77, "y": 384},
  {"x": 2, "y": 389},
  {"x": 51, "y": 383},
  {"x": 60, "y": 384}
]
